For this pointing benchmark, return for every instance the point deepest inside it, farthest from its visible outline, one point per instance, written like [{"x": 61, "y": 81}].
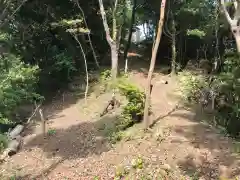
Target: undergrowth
[
  {"x": 3, "y": 142},
  {"x": 132, "y": 112},
  {"x": 222, "y": 93}
]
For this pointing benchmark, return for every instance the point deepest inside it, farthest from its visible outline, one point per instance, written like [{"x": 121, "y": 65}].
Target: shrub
[
  {"x": 17, "y": 83},
  {"x": 133, "y": 111},
  {"x": 226, "y": 88},
  {"x": 3, "y": 142},
  {"x": 191, "y": 85}
]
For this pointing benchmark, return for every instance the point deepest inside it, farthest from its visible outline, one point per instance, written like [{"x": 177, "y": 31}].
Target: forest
[{"x": 47, "y": 47}]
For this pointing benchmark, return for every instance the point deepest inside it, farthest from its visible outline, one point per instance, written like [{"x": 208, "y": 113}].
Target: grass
[
  {"x": 140, "y": 169},
  {"x": 51, "y": 132}
]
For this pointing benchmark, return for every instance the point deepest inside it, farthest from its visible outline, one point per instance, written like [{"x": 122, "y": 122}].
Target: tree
[
  {"x": 152, "y": 63},
  {"x": 111, "y": 40},
  {"x": 130, "y": 30},
  {"x": 88, "y": 34},
  {"x": 171, "y": 33},
  {"x": 233, "y": 22}
]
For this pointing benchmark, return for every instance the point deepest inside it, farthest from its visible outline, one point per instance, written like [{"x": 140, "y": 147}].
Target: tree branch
[
  {"x": 226, "y": 12},
  {"x": 85, "y": 62},
  {"x": 89, "y": 37},
  {"x": 105, "y": 24},
  {"x": 235, "y": 4},
  {"x": 14, "y": 12},
  {"x": 4, "y": 11}
]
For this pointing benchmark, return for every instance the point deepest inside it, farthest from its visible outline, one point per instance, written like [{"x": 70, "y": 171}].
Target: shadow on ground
[
  {"x": 213, "y": 155},
  {"x": 78, "y": 141}
]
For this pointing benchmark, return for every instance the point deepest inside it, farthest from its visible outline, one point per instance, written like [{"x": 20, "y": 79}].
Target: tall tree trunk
[
  {"x": 152, "y": 63},
  {"x": 237, "y": 39},
  {"x": 174, "y": 53},
  {"x": 112, "y": 43},
  {"x": 233, "y": 22},
  {"x": 130, "y": 30}
]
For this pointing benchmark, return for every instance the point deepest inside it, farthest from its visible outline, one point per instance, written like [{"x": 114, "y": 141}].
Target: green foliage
[
  {"x": 17, "y": 85},
  {"x": 191, "y": 85},
  {"x": 120, "y": 173},
  {"x": 196, "y": 32},
  {"x": 72, "y": 26},
  {"x": 3, "y": 142},
  {"x": 133, "y": 111},
  {"x": 51, "y": 132},
  {"x": 228, "y": 95},
  {"x": 115, "y": 137},
  {"x": 137, "y": 163},
  {"x": 63, "y": 65},
  {"x": 225, "y": 87},
  {"x": 105, "y": 75},
  {"x": 96, "y": 178}
]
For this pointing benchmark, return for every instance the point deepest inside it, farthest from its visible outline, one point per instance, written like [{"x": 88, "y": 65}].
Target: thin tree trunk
[
  {"x": 114, "y": 55},
  {"x": 174, "y": 54},
  {"x": 237, "y": 38},
  {"x": 111, "y": 42},
  {"x": 3, "y": 17},
  {"x": 89, "y": 37},
  {"x": 130, "y": 30},
  {"x": 233, "y": 22},
  {"x": 152, "y": 64},
  {"x": 86, "y": 67},
  {"x": 144, "y": 29},
  {"x": 126, "y": 66}
]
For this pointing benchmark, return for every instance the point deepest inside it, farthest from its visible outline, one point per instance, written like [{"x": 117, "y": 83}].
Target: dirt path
[{"x": 77, "y": 150}]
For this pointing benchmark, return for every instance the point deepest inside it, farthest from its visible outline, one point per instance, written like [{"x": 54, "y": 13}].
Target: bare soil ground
[{"x": 179, "y": 146}]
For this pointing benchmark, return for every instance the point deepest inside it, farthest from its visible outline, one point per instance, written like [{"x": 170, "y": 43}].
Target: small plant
[
  {"x": 105, "y": 75},
  {"x": 51, "y": 132},
  {"x": 120, "y": 172},
  {"x": 137, "y": 163},
  {"x": 96, "y": 178},
  {"x": 116, "y": 136}
]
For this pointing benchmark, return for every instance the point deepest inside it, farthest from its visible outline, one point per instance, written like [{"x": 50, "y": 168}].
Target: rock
[{"x": 16, "y": 131}]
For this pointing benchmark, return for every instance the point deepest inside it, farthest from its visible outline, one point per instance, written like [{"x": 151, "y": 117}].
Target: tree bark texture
[
  {"x": 152, "y": 63},
  {"x": 233, "y": 22},
  {"x": 174, "y": 53},
  {"x": 111, "y": 42},
  {"x": 130, "y": 30}
]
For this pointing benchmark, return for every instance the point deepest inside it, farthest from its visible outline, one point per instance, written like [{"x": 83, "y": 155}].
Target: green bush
[
  {"x": 17, "y": 84},
  {"x": 3, "y": 142},
  {"x": 191, "y": 85},
  {"x": 226, "y": 88},
  {"x": 105, "y": 75},
  {"x": 63, "y": 65},
  {"x": 133, "y": 111}
]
